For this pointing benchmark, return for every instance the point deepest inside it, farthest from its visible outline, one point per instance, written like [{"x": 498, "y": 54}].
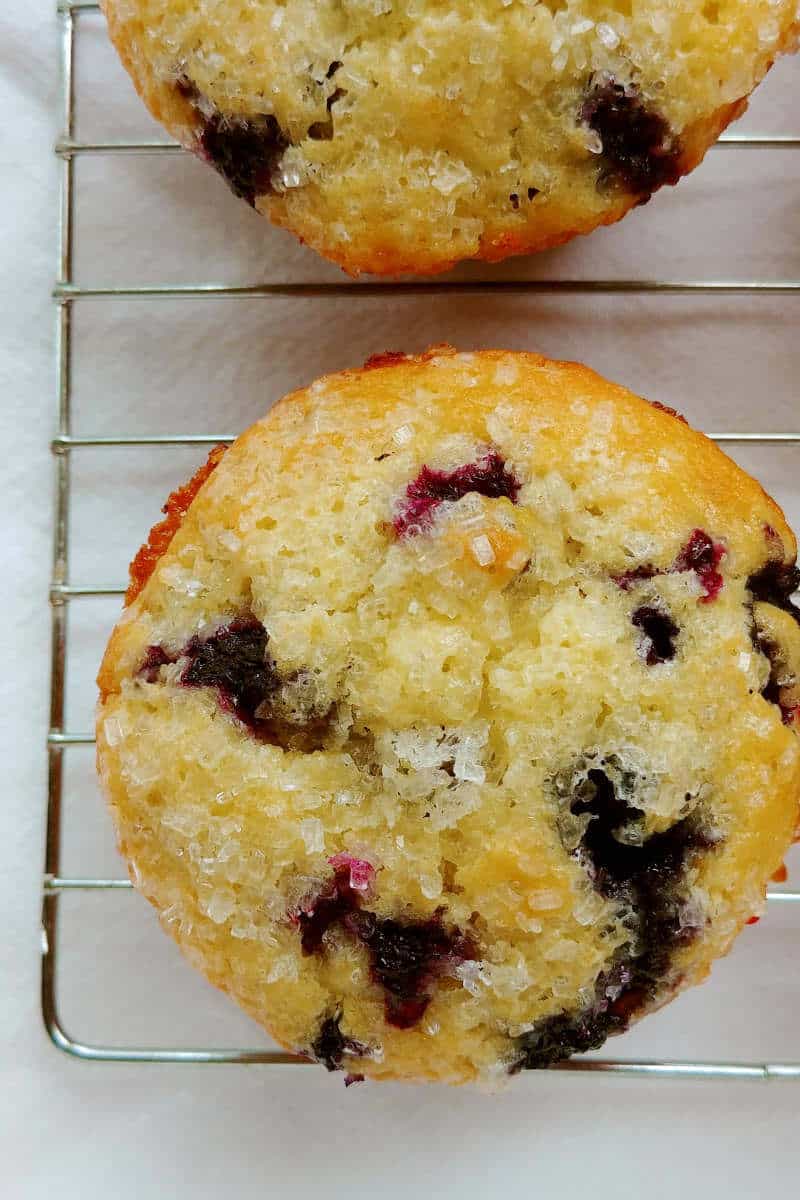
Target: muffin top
[
  {"x": 456, "y": 724},
  {"x": 406, "y": 136}
]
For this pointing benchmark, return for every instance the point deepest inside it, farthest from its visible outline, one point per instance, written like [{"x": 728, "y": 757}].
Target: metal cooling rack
[{"x": 64, "y": 591}]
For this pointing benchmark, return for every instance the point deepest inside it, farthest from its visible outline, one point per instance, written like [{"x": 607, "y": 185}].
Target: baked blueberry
[
  {"x": 488, "y": 476},
  {"x": 406, "y": 956},
  {"x": 334, "y": 901},
  {"x": 659, "y": 632},
  {"x": 330, "y": 1047},
  {"x": 235, "y": 663},
  {"x": 245, "y": 152},
  {"x": 776, "y": 583},
  {"x": 638, "y": 148},
  {"x": 702, "y": 555}
]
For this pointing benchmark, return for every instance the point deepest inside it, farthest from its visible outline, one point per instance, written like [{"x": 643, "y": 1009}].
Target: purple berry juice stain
[{"x": 431, "y": 488}]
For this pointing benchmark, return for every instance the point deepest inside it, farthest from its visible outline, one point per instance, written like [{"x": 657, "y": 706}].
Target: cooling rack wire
[{"x": 64, "y": 592}]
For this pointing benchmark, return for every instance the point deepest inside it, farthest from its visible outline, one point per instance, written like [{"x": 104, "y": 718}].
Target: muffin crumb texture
[
  {"x": 403, "y": 137},
  {"x": 456, "y": 723}
]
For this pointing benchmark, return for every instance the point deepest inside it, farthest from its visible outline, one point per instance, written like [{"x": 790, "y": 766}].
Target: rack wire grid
[{"x": 61, "y": 740}]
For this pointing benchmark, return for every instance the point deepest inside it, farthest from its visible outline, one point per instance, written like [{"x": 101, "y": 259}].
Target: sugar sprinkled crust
[
  {"x": 396, "y": 137},
  {"x": 456, "y": 726}
]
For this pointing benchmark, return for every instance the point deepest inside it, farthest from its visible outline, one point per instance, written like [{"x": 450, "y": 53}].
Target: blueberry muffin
[
  {"x": 403, "y": 137},
  {"x": 452, "y": 721}
]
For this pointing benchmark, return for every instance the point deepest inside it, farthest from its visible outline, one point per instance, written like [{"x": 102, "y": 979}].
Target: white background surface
[{"x": 215, "y": 365}]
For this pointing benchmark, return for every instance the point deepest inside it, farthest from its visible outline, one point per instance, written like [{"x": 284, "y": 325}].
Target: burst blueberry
[
  {"x": 775, "y": 583},
  {"x": 234, "y": 661},
  {"x": 700, "y": 554},
  {"x": 405, "y": 957},
  {"x": 155, "y": 658},
  {"x": 330, "y": 1045},
  {"x": 336, "y": 899},
  {"x": 245, "y": 152},
  {"x": 488, "y": 476},
  {"x": 638, "y": 147},
  {"x": 659, "y": 632},
  {"x": 648, "y": 877},
  {"x": 556, "y": 1038}
]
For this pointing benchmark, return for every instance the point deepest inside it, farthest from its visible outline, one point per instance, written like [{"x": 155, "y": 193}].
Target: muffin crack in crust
[
  {"x": 406, "y": 135},
  {"x": 455, "y": 725}
]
